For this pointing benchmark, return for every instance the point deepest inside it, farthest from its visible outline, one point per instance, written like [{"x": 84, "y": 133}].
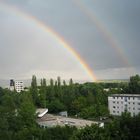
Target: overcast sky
[{"x": 106, "y": 33}]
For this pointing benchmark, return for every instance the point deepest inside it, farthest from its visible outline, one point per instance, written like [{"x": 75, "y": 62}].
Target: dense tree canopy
[
  {"x": 88, "y": 100},
  {"x": 134, "y": 84}
]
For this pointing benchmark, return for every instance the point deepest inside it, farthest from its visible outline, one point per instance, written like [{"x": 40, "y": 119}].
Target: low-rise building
[
  {"x": 49, "y": 120},
  {"x": 119, "y": 103}
]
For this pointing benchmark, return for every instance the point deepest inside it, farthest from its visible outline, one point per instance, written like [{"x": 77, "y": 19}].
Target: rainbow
[
  {"x": 104, "y": 32},
  {"x": 17, "y": 12}
]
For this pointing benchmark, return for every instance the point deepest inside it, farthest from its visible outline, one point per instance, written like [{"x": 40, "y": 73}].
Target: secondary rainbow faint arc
[
  {"x": 51, "y": 32},
  {"x": 104, "y": 32}
]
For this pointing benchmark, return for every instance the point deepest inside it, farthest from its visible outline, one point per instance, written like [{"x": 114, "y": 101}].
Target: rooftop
[
  {"x": 50, "y": 120},
  {"x": 124, "y": 95}
]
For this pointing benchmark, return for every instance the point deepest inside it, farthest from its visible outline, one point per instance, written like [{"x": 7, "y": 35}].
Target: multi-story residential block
[
  {"x": 16, "y": 85},
  {"x": 19, "y": 86},
  {"x": 119, "y": 103}
]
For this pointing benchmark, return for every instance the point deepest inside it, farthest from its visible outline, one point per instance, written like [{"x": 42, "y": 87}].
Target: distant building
[
  {"x": 16, "y": 85},
  {"x": 19, "y": 86},
  {"x": 119, "y": 103},
  {"x": 12, "y": 85}
]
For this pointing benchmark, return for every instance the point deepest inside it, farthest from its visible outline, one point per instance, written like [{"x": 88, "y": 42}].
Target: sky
[{"x": 105, "y": 33}]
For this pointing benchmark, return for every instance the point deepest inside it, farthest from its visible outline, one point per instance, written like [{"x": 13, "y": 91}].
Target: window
[
  {"x": 114, "y": 102},
  {"x": 125, "y": 99},
  {"x": 138, "y": 103},
  {"x": 133, "y": 108},
  {"x": 113, "y": 111},
  {"x": 113, "y": 97},
  {"x": 128, "y": 98},
  {"x": 114, "y": 107},
  {"x": 121, "y": 97},
  {"x": 117, "y": 102},
  {"x": 133, "y": 103}
]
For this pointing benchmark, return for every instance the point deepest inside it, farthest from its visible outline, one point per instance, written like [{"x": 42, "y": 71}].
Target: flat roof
[
  {"x": 124, "y": 95},
  {"x": 53, "y": 120}
]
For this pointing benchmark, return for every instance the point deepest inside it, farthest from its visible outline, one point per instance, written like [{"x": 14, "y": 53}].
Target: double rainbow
[
  {"x": 42, "y": 26},
  {"x": 18, "y": 13}
]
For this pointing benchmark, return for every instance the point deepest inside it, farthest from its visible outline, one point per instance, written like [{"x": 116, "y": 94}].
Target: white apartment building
[
  {"x": 119, "y": 103},
  {"x": 16, "y": 85},
  {"x": 19, "y": 86}
]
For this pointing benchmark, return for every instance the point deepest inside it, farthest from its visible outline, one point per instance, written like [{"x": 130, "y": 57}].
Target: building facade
[
  {"x": 119, "y": 103},
  {"x": 19, "y": 86},
  {"x": 16, "y": 85}
]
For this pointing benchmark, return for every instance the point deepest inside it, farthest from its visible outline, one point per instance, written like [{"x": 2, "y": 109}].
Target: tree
[
  {"x": 88, "y": 112},
  {"x": 56, "y": 106},
  {"x": 50, "y": 92},
  {"x": 51, "y": 82},
  {"x": 42, "y": 93},
  {"x": 71, "y": 82},
  {"x": 64, "y": 83},
  {"x": 26, "y": 112},
  {"x": 58, "y": 133},
  {"x": 78, "y": 104},
  {"x": 89, "y": 133},
  {"x": 34, "y": 90},
  {"x": 59, "y": 81},
  {"x": 90, "y": 98},
  {"x": 134, "y": 84}
]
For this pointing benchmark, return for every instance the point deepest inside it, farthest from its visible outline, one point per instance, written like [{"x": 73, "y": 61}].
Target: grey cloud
[{"x": 23, "y": 45}]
